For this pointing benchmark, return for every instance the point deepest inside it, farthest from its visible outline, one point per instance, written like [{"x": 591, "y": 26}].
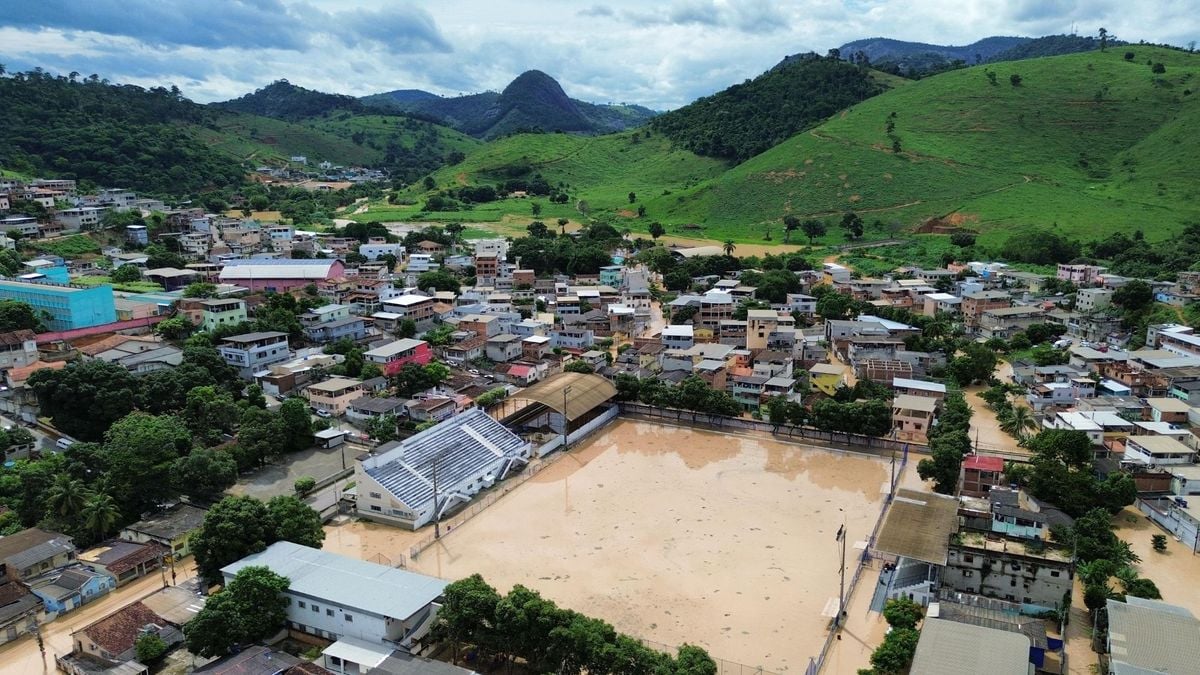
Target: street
[{"x": 22, "y": 656}]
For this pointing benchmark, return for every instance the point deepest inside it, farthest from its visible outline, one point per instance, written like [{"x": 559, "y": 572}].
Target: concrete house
[
  {"x": 253, "y": 352},
  {"x": 171, "y": 529},
  {"x": 393, "y": 356},
  {"x": 33, "y": 552},
  {"x": 912, "y": 416},
  {"x": 333, "y": 395},
  {"x": 1037, "y": 576},
  {"x": 19, "y": 607},
  {"x": 123, "y": 561},
  {"x": 217, "y": 313},
  {"x": 71, "y": 588}
]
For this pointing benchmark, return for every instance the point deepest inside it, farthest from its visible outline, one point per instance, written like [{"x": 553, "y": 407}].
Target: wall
[
  {"x": 329, "y": 620},
  {"x": 1031, "y": 582}
]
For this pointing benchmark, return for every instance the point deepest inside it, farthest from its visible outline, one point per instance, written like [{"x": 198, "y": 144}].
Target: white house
[
  {"x": 333, "y": 596},
  {"x": 678, "y": 337},
  {"x": 375, "y": 251}
]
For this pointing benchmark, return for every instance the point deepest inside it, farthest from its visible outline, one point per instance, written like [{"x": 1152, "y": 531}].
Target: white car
[{"x": 321, "y": 412}]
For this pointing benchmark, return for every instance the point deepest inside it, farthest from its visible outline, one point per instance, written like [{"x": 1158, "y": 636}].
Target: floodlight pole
[
  {"x": 841, "y": 537},
  {"x": 437, "y": 526}
]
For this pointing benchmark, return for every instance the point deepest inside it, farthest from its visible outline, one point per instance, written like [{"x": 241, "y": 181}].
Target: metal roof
[
  {"x": 918, "y": 526},
  {"x": 33, "y": 545},
  {"x": 393, "y": 348},
  {"x": 1147, "y": 636},
  {"x": 586, "y": 392},
  {"x": 952, "y": 648},
  {"x": 923, "y": 404},
  {"x": 349, "y": 582},
  {"x": 277, "y": 269}
]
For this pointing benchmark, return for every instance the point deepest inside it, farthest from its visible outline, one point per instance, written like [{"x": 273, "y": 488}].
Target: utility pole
[
  {"x": 841, "y": 537},
  {"x": 566, "y": 420},
  {"x": 437, "y": 526}
]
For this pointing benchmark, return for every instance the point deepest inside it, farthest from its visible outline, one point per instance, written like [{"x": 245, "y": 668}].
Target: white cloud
[{"x": 660, "y": 55}]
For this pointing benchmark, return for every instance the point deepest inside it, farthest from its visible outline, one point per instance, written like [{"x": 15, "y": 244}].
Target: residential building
[
  {"x": 279, "y": 275},
  {"x": 69, "y": 589},
  {"x": 139, "y": 355},
  {"x": 393, "y": 356},
  {"x": 374, "y": 250},
  {"x": 941, "y": 303},
  {"x": 905, "y": 386},
  {"x": 34, "y": 551},
  {"x": 18, "y": 349},
  {"x": 574, "y": 337},
  {"x": 1080, "y": 275},
  {"x": 171, "y": 528},
  {"x": 68, "y": 307},
  {"x": 975, "y": 304},
  {"x": 123, "y": 561},
  {"x": 1003, "y": 322},
  {"x": 333, "y": 395},
  {"x": 912, "y": 416},
  {"x": 433, "y": 409},
  {"x": 1037, "y": 575},
  {"x": 19, "y": 608},
  {"x": 1093, "y": 299},
  {"x": 218, "y": 313},
  {"x": 759, "y": 325},
  {"x": 366, "y": 408},
  {"x": 80, "y": 218},
  {"x": 503, "y": 348},
  {"x": 351, "y": 328},
  {"x": 1151, "y": 637},
  {"x": 334, "y": 597},
  {"x": 678, "y": 336},
  {"x": 253, "y": 352},
  {"x": 1170, "y": 410},
  {"x": 980, "y": 474},
  {"x": 827, "y": 377},
  {"x": 421, "y": 262},
  {"x": 170, "y": 278},
  {"x": 113, "y": 639},
  {"x": 954, "y": 648},
  {"x": 418, "y": 308},
  {"x": 469, "y": 452},
  {"x": 1157, "y": 451}
]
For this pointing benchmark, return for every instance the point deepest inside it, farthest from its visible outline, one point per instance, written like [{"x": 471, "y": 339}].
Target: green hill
[
  {"x": 1087, "y": 143},
  {"x": 284, "y": 100},
  {"x": 749, "y": 118}
]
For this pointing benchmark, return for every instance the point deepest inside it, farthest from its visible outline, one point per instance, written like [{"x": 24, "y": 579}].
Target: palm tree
[
  {"x": 729, "y": 247},
  {"x": 100, "y": 514},
  {"x": 66, "y": 496},
  {"x": 1018, "y": 422}
]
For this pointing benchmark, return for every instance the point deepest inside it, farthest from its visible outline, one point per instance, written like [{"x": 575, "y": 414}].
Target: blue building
[
  {"x": 71, "y": 588},
  {"x": 64, "y": 307}
]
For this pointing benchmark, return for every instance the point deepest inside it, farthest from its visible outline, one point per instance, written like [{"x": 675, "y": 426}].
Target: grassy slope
[
  {"x": 379, "y": 128},
  {"x": 264, "y": 140},
  {"x": 602, "y": 170},
  {"x": 1006, "y": 157}
]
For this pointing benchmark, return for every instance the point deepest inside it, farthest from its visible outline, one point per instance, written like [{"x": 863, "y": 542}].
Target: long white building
[{"x": 333, "y": 596}]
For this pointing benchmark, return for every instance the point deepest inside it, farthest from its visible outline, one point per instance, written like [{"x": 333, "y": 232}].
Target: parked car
[{"x": 321, "y": 412}]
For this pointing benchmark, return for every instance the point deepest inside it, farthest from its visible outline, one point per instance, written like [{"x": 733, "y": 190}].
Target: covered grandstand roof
[
  {"x": 461, "y": 447},
  {"x": 918, "y": 526},
  {"x": 282, "y": 268},
  {"x": 587, "y": 392}
]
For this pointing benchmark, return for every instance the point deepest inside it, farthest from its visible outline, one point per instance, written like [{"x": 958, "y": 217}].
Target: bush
[
  {"x": 305, "y": 484},
  {"x": 1159, "y": 542},
  {"x": 902, "y": 613},
  {"x": 149, "y": 647},
  {"x": 1158, "y": 69}
]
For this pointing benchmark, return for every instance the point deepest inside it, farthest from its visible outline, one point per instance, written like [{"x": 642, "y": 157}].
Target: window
[
  {"x": 1055, "y": 573},
  {"x": 1012, "y": 582},
  {"x": 968, "y": 558},
  {"x": 328, "y": 612},
  {"x": 967, "y": 574},
  {"x": 302, "y": 605},
  {"x": 376, "y": 508},
  {"x": 335, "y": 661},
  {"x": 1016, "y": 567},
  {"x": 375, "y": 495},
  {"x": 349, "y": 618}
]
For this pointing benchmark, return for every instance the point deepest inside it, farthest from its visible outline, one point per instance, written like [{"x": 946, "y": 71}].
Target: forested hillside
[
  {"x": 118, "y": 135},
  {"x": 285, "y": 101},
  {"x": 747, "y": 119}
]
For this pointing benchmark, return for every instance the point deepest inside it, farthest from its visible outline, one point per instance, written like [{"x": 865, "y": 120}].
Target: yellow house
[
  {"x": 827, "y": 377},
  {"x": 333, "y": 395}
]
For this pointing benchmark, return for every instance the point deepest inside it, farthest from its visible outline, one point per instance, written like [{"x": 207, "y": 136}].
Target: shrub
[
  {"x": 150, "y": 647},
  {"x": 305, "y": 484},
  {"x": 1159, "y": 541}
]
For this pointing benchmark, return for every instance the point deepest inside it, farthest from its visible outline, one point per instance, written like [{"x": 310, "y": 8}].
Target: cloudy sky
[{"x": 659, "y": 54}]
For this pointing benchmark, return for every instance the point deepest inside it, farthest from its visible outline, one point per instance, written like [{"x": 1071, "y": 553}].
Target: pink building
[
  {"x": 1080, "y": 275},
  {"x": 395, "y": 355},
  {"x": 280, "y": 275}
]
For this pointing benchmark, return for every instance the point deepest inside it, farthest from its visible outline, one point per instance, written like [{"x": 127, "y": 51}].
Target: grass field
[
  {"x": 270, "y": 141},
  {"x": 1087, "y": 144},
  {"x": 130, "y": 286}
]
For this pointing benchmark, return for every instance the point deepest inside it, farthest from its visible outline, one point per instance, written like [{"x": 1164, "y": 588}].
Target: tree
[
  {"x": 67, "y": 496},
  {"x": 896, "y": 652},
  {"x": 535, "y": 208},
  {"x": 232, "y": 529},
  {"x": 790, "y": 224},
  {"x": 902, "y": 613},
  {"x": 975, "y": 364},
  {"x": 1014, "y": 80},
  {"x": 261, "y": 437},
  {"x": 251, "y": 608},
  {"x": 255, "y": 398},
  {"x": 383, "y": 428},
  {"x": 140, "y": 450},
  {"x": 579, "y": 366},
  {"x": 126, "y": 274},
  {"x": 729, "y": 247},
  {"x": 439, "y": 280},
  {"x": 1158, "y": 69},
  {"x": 211, "y": 413},
  {"x": 100, "y": 515},
  {"x": 149, "y": 647},
  {"x": 1159, "y": 542},
  {"x": 204, "y": 474},
  {"x": 538, "y": 230},
  {"x": 467, "y": 614},
  {"x": 297, "y": 422},
  {"x": 1103, "y": 39},
  {"x": 174, "y": 328},
  {"x": 85, "y": 398},
  {"x": 295, "y": 521},
  {"x": 813, "y": 228},
  {"x": 562, "y": 225},
  {"x": 1133, "y": 296},
  {"x": 656, "y": 230},
  {"x": 1129, "y": 56},
  {"x": 852, "y": 223},
  {"x": 1018, "y": 421}
]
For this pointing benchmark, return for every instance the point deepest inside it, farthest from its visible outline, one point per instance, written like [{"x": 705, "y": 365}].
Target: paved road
[{"x": 22, "y": 657}]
